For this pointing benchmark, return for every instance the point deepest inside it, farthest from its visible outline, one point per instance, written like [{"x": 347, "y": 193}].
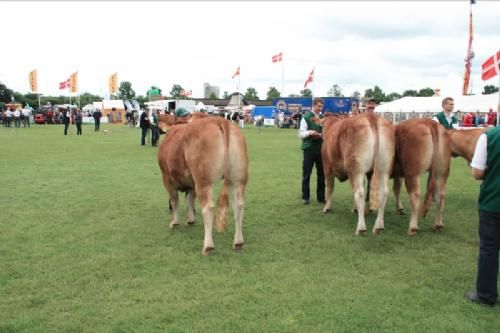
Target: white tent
[
  {"x": 481, "y": 103},
  {"x": 200, "y": 106}
]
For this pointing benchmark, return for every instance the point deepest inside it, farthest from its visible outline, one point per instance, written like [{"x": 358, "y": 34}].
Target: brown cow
[
  {"x": 421, "y": 145},
  {"x": 193, "y": 157},
  {"x": 353, "y": 147},
  {"x": 462, "y": 143}
]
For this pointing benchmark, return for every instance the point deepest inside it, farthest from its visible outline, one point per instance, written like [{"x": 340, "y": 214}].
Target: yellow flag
[
  {"x": 33, "y": 81},
  {"x": 113, "y": 83},
  {"x": 73, "y": 82}
]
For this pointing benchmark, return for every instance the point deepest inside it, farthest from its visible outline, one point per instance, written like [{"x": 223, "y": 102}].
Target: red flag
[
  {"x": 310, "y": 79},
  {"x": 237, "y": 72},
  {"x": 278, "y": 57},
  {"x": 64, "y": 84},
  {"x": 491, "y": 67}
]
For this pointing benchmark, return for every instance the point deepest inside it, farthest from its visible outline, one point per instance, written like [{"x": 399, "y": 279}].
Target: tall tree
[
  {"x": 356, "y": 94},
  {"x": 212, "y": 95},
  {"x": 5, "y": 94},
  {"x": 489, "y": 89},
  {"x": 375, "y": 93},
  {"x": 392, "y": 97},
  {"x": 272, "y": 93},
  {"x": 125, "y": 91},
  {"x": 225, "y": 95},
  {"x": 412, "y": 93},
  {"x": 306, "y": 93},
  {"x": 426, "y": 92},
  {"x": 251, "y": 93},
  {"x": 335, "y": 91},
  {"x": 176, "y": 91}
]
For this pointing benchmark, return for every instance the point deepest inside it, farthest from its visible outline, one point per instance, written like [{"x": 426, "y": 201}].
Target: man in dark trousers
[
  {"x": 144, "y": 125},
  {"x": 78, "y": 122},
  {"x": 310, "y": 133},
  {"x": 97, "y": 120},
  {"x": 486, "y": 167},
  {"x": 66, "y": 120}
]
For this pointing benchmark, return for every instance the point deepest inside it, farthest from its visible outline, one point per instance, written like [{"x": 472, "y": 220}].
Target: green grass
[{"x": 85, "y": 247}]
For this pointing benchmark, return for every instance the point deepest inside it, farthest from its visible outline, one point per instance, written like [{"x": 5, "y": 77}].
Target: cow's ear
[{"x": 163, "y": 127}]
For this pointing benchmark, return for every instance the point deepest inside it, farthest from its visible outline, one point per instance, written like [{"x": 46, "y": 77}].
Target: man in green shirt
[
  {"x": 310, "y": 133},
  {"x": 445, "y": 117},
  {"x": 486, "y": 167}
]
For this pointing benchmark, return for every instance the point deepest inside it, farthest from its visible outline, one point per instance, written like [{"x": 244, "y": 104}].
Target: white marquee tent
[{"x": 481, "y": 103}]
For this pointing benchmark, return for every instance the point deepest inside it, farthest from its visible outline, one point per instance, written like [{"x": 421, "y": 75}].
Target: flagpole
[
  {"x": 239, "y": 94},
  {"x": 283, "y": 77},
  {"x": 498, "y": 104}
]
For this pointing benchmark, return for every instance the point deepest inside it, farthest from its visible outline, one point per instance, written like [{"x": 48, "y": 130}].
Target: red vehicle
[{"x": 40, "y": 119}]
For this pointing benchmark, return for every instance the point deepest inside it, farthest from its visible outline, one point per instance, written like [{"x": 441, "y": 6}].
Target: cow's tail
[
  {"x": 431, "y": 183},
  {"x": 375, "y": 178},
  {"x": 223, "y": 201}
]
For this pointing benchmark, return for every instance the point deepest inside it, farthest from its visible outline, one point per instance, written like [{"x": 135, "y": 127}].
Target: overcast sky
[{"x": 395, "y": 45}]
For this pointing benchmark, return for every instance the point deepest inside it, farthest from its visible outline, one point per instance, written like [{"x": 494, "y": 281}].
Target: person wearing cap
[
  {"x": 155, "y": 130},
  {"x": 181, "y": 112},
  {"x": 486, "y": 167}
]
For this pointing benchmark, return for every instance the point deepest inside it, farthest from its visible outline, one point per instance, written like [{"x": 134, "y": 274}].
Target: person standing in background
[{"x": 78, "y": 122}]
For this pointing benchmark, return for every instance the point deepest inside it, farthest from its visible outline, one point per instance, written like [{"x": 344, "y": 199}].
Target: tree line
[{"x": 125, "y": 91}]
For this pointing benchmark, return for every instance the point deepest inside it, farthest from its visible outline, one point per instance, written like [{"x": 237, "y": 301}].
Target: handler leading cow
[{"x": 193, "y": 157}]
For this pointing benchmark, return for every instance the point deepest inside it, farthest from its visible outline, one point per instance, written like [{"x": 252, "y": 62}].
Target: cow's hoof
[
  {"x": 206, "y": 251},
  {"x": 238, "y": 246},
  {"x": 354, "y": 210},
  {"x": 378, "y": 231},
  {"x": 437, "y": 227},
  {"x": 190, "y": 223},
  {"x": 412, "y": 231},
  {"x": 401, "y": 211},
  {"x": 173, "y": 225},
  {"x": 361, "y": 232},
  {"x": 327, "y": 210}
]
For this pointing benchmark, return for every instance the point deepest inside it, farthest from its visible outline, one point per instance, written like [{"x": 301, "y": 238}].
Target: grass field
[{"x": 85, "y": 247}]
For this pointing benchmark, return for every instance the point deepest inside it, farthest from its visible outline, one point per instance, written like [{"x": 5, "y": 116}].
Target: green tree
[
  {"x": 212, "y": 95},
  {"x": 392, "y": 97},
  {"x": 125, "y": 91},
  {"x": 88, "y": 98},
  {"x": 426, "y": 92},
  {"x": 412, "y": 93},
  {"x": 141, "y": 100},
  {"x": 272, "y": 93},
  {"x": 375, "y": 93},
  {"x": 5, "y": 93},
  {"x": 293, "y": 95},
  {"x": 251, "y": 94},
  {"x": 489, "y": 89},
  {"x": 176, "y": 91},
  {"x": 335, "y": 91},
  {"x": 356, "y": 94},
  {"x": 225, "y": 95},
  {"x": 306, "y": 92}
]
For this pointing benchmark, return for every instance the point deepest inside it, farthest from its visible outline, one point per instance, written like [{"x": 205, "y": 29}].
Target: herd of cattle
[{"x": 200, "y": 150}]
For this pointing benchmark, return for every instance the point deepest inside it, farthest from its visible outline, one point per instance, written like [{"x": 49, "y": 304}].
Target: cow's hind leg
[
  {"x": 238, "y": 203},
  {"x": 382, "y": 194},
  {"x": 174, "y": 202},
  {"x": 330, "y": 186},
  {"x": 440, "y": 195},
  {"x": 396, "y": 187},
  {"x": 359, "y": 197},
  {"x": 413, "y": 188},
  {"x": 208, "y": 210},
  {"x": 190, "y": 206}
]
